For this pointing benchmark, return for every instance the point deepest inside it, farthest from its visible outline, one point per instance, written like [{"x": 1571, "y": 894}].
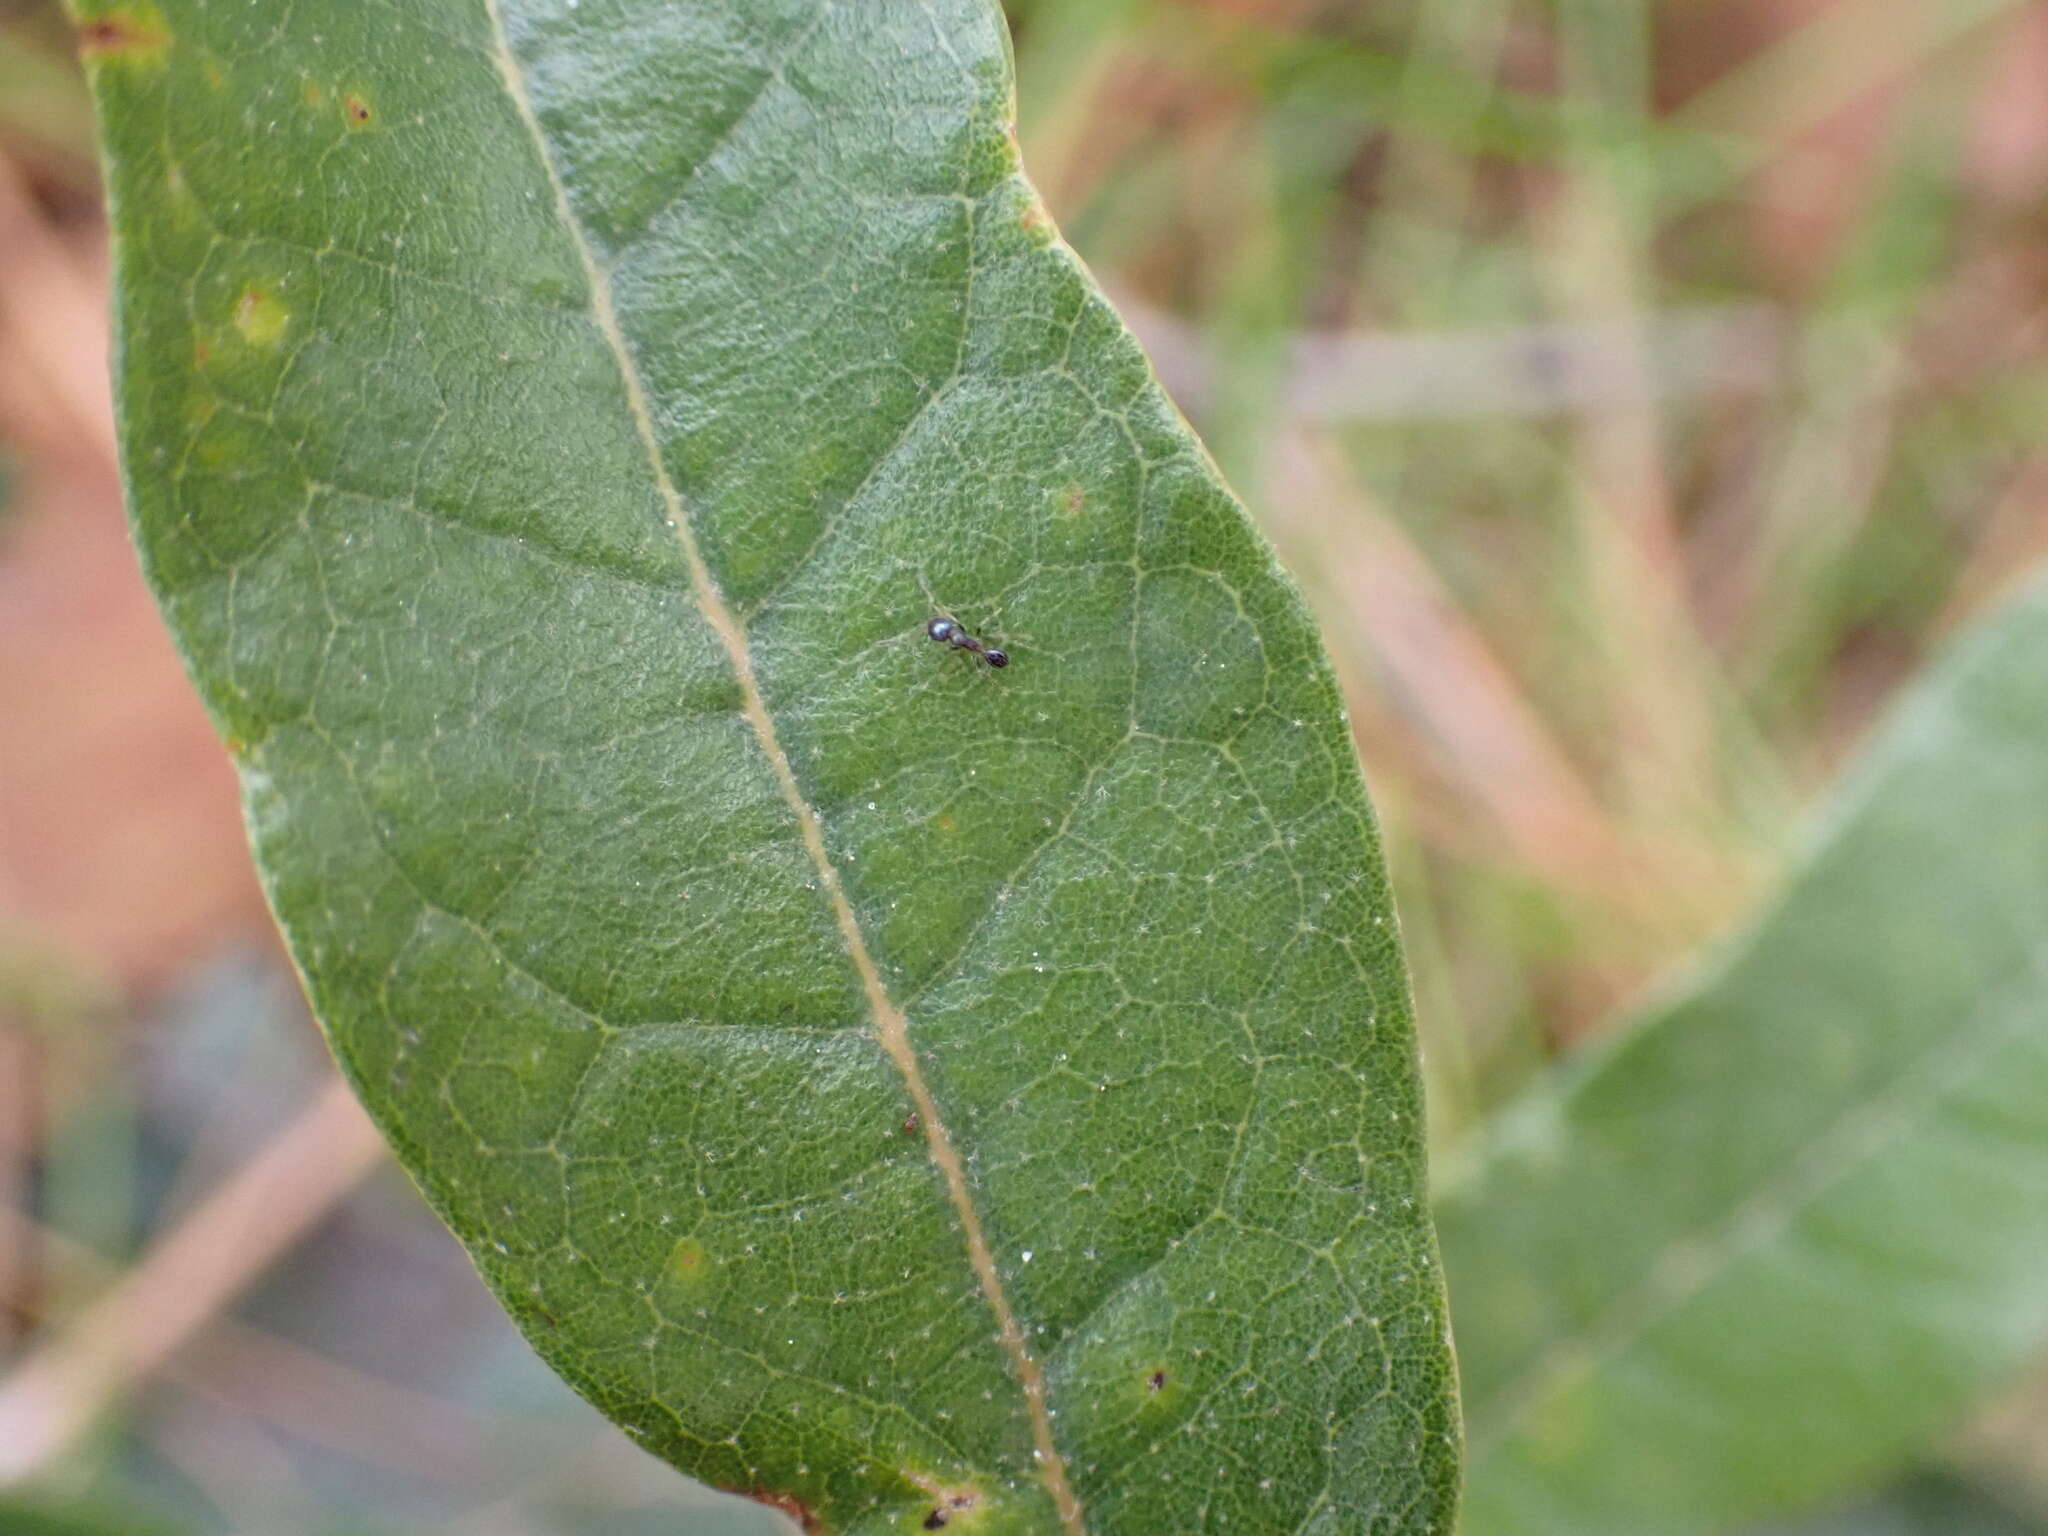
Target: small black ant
[{"x": 952, "y": 632}]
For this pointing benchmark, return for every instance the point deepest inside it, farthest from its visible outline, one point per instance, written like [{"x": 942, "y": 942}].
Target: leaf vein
[
  {"x": 725, "y": 135},
  {"x": 890, "y": 1027}
]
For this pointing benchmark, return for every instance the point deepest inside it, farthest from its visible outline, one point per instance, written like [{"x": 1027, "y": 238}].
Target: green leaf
[
  {"x": 46, "y": 1517},
  {"x": 1928, "y": 1503},
  {"x": 1793, "y": 1223},
  {"x": 918, "y": 1094}
]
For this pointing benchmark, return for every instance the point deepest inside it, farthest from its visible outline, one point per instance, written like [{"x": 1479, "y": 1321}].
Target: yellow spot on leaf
[
  {"x": 313, "y": 93},
  {"x": 261, "y": 318},
  {"x": 690, "y": 1262}
]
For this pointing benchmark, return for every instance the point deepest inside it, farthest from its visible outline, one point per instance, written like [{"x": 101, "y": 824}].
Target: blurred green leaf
[
  {"x": 1931, "y": 1503},
  {"x": 550, "y": 427},
  {"x": 49, "y": 1517},
  {"x": 1794, "y": 1222}
]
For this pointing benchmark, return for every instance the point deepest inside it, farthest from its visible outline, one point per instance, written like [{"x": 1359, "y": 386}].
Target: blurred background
[{"x": 1639, "y": 388}]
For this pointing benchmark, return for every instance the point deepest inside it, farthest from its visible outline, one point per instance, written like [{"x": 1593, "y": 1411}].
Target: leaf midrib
[{"x": 889, "y": 1026}]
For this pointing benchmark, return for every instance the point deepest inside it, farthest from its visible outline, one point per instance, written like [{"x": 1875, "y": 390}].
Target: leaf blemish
[
  {"x": 132, "y": 32},
  {"x": 355, "y": 110},
  {"x": 689, "y": 1260},
  {"x": 956, "y": 1502},
  {"x": 784, "y": 1503},
  {"x": 950, "y": 1501},
  {"x": 1158, "y": 1390},
  {"x": 261, "y": 317},
  {"x": 1034, "y": 219}
]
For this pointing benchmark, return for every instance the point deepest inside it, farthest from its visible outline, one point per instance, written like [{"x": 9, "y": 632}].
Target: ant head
[{"x": 942, "y": 628}]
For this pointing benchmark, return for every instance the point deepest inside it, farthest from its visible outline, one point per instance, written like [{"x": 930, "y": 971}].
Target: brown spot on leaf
[
  {"x": 313, "y": 93},
  {"x": 1156, "y": 1381},
  {"x": 134, "y": 32},
  {"x": 1035, "y": 220},
  {"x": 356, "y": 110},
  {"x": 910, "y": 1123},
  {"x": 1072, "y": 500},
  {"x": 785, "y": 1503},
  {"x": 952, "y": 1501}
]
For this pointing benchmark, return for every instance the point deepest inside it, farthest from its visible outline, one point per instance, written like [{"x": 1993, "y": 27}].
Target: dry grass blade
[
  {"x": 1447, "y": 677},
  {"x": 193, "y": 1273}
]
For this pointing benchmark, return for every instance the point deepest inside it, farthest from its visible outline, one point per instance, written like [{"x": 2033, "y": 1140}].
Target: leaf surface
[
  {"x": 1795, "y": 1221},
  {"x": 919, "y": 1095}
]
